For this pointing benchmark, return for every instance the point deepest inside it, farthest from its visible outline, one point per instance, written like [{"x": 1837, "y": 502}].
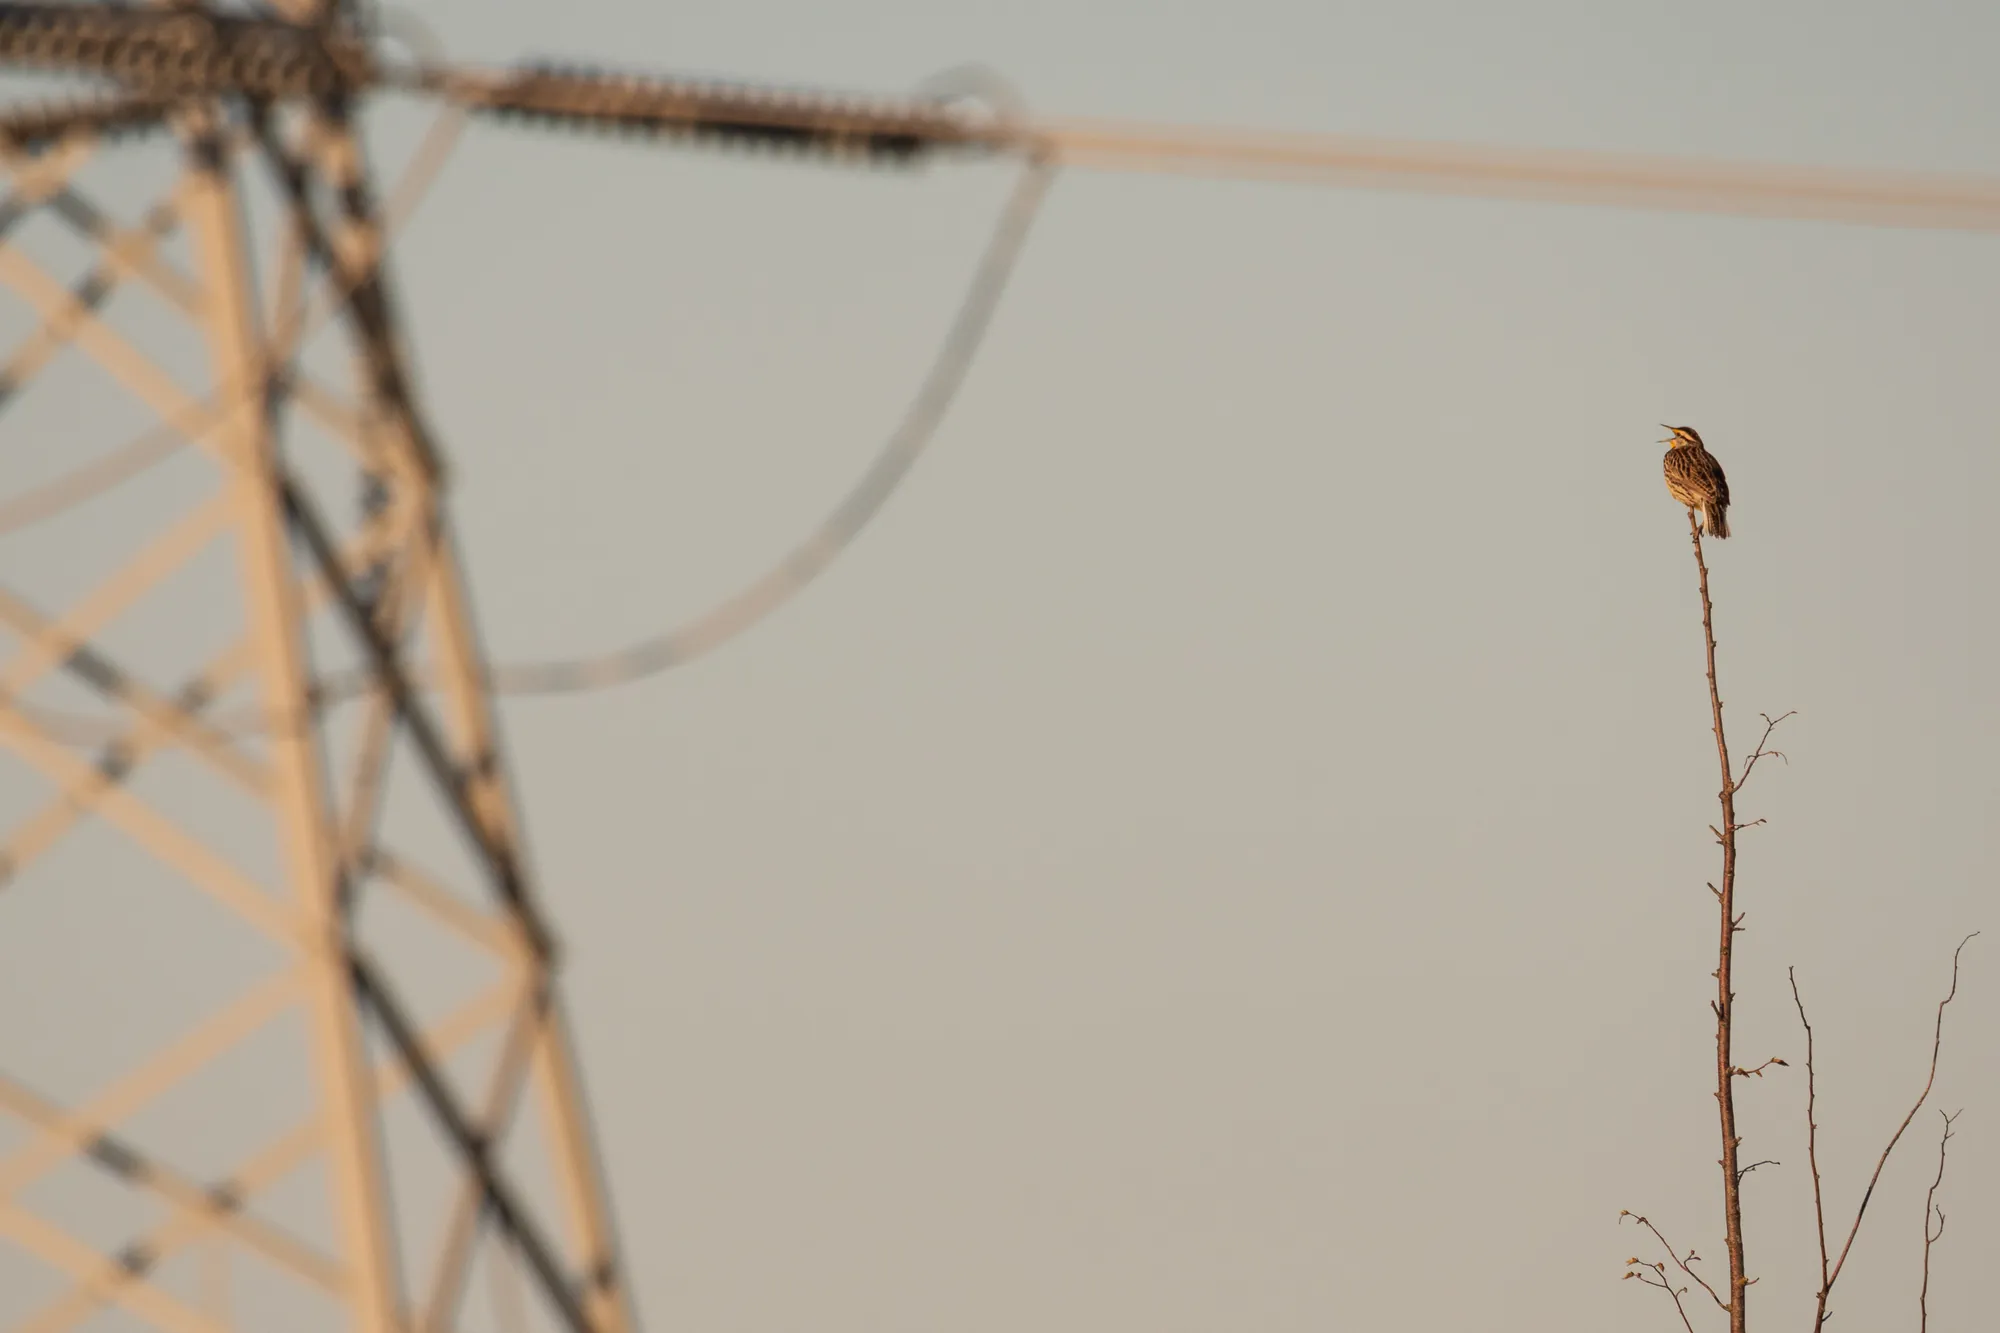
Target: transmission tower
[
  {"x": 313, "y": 1122},
  {"x": 319, "y": 512}
]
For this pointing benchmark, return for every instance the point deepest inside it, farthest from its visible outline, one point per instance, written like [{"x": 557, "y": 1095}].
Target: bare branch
[
  {"x": 1758, "y": 1072},
  {"x": 1931, "y": 1236},
  {"x": 1655, "y": 1275},
  {"x": 1812, "y": 1149},
  {"x": 1937, "y": 1044},
  {"x": 1685, "y": 1265},
  {"x": 1763, "y": 750}
]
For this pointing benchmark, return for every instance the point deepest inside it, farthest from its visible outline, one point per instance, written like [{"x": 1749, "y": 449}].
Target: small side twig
[
  {"x": 1937, "y": 1044},
  {"x": 1812, "y": 1147},
  {"x": 1933, "y": 1234},
  {"x": 1684, "y": 1264},
  {"x": 1762, "y": 749},
  {"x": 1655, "y": 1275}
]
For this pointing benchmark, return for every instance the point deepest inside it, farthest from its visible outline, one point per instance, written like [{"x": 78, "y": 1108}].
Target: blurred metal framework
[{"x": 277, "y": 91}]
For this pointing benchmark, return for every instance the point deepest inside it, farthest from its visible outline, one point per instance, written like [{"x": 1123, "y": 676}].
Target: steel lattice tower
[
  {"x": 260, "y": 113},
  {"x": 381, "y": 584}
]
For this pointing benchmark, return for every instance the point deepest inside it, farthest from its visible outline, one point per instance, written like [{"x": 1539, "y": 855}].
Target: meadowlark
[{"x": 1695, "y": 479}]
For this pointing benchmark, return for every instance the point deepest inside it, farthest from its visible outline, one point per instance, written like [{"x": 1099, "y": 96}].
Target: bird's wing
[{"x": 1711, "y": 475}]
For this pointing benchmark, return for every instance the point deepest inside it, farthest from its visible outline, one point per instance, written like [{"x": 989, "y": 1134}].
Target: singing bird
[{"x": 1695, "y": 479}]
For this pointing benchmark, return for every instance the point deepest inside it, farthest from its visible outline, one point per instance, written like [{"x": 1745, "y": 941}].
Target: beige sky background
[{"x": 1226, "y": 850}]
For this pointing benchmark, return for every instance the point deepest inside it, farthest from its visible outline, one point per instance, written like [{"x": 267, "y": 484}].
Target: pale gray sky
[{"x": 1226, "y": 850}]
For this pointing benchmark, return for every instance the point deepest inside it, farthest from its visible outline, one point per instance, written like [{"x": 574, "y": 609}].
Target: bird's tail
[{"x": 1716, "y": 520}]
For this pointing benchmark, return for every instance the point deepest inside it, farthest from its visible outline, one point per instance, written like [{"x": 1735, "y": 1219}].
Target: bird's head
[{"x": 1682, "y": 437}]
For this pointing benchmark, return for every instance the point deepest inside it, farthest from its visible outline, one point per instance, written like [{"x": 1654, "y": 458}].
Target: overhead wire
[
  {"x": 809, "y": 558},
  {"x": 733, "y": 615},
  {"x": 1873, "y": 197},
  {"x": 1897, "y": 199}
]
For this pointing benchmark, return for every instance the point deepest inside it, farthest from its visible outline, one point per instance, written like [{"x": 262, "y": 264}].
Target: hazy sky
[{"x": 1226, "y": 850}]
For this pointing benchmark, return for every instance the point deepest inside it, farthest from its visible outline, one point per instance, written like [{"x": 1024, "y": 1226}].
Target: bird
[{"x": 1695, "y": 479}]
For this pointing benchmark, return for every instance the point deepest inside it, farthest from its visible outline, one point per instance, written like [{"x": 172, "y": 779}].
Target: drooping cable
[
  {"x": 810, "y": 558},
  {"x": 784, "y": 580}
]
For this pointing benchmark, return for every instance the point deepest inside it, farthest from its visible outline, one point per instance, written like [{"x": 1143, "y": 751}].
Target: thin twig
[
  {"x": 1655, "y": 1275},
  {"x": 1812, "y": 1147},
  {"x": 1672, "y": 1253},
  {"x": 1762, "y": 750},
  {"x": 1931, "y": 1237},
  {"x": 1937, "y": 1044},
  {"x": 1725, "y": 996},
  {"x": 1758, "y": 1072}
]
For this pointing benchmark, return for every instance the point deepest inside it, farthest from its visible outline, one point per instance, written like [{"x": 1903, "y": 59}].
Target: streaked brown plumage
[{"x": 1695, "y": 479}]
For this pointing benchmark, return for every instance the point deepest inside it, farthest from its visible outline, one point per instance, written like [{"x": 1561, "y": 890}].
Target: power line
[
  {"x": 779, "y": 584},
  {"x": 811, "y": 557},
  {"x": 1933, "y": 201},
  {"x": 161, "y": 59}
]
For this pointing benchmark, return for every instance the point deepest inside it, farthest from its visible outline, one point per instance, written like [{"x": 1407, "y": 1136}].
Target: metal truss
[
  {"x": 260, "y": 108},
  {"x": 510, "y": 1171}
]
